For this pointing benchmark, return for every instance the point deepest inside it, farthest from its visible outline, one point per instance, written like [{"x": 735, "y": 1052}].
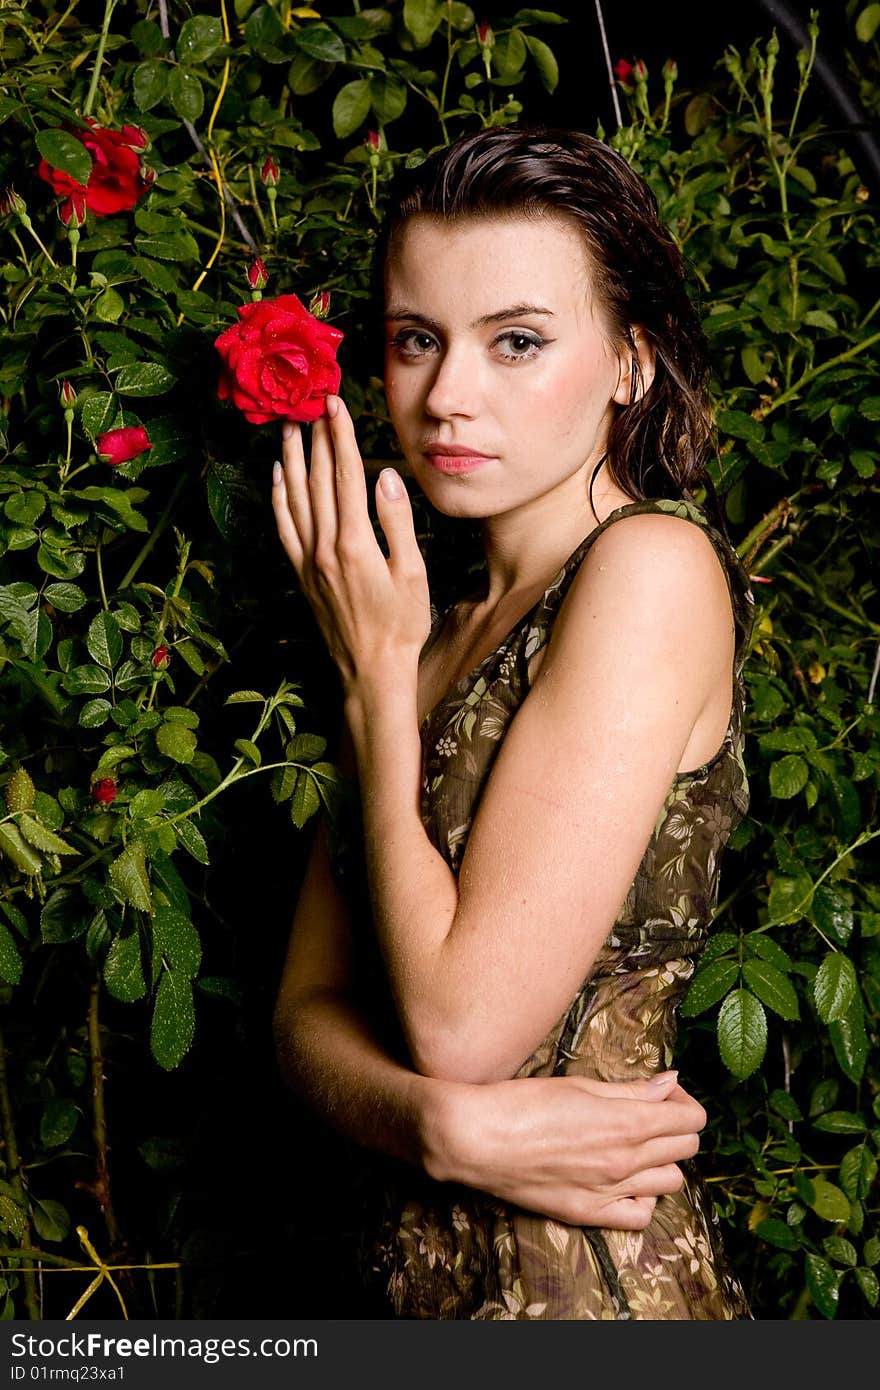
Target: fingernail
[
  {"x": 390, "y": 483},
  {"x": 287, "y": 429},
  {"x": 277, "y": 472},
  {"x": 663, "y": 1078},
  {"x": 332, "y": 406}
]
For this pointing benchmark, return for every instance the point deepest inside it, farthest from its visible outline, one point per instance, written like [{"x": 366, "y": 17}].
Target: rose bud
[
  {"x": 258, "y": 276},
  {"x": 670, "y": 70},
  {"x": 623, "y": 71},
  {"x": 485, "y": 36},
  {"x": 135, "y": 138},
  {"x": 269, "y": 173},
  {"x": 373, "y": 142},
  {"x": 73, "y": 211},
  {"x": 161, "y": 657},
  {"x": 119, "y": 446},
  {"x": 279, "y": 361},
  {"x": 104, "y": 790},
  {"x": 640, "y": 71},
  {"x": 11, "y": 203},
  {"x": 67, "y": 395},
  {"x": 319, "y": 304}
]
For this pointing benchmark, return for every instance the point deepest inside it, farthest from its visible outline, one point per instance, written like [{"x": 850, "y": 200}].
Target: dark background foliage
[{"x": 205, "y": 1162}]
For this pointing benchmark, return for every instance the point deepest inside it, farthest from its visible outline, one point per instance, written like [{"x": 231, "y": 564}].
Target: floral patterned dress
[{"x": 445, "y": 1251}]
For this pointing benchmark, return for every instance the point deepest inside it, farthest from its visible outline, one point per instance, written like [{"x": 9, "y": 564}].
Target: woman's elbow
[{"x": 459, "y": 1053}]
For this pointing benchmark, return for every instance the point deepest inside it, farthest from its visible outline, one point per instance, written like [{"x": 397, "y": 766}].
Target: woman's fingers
[
  {"x": 322, "y": 490},
  {"x": 627, "y": 1214},
  {"x": 351, "y": 485},
  {"x": 654, "y": 1182},
  {"x": 287, "y": 530},
  {"x": 297, "y": 484}
]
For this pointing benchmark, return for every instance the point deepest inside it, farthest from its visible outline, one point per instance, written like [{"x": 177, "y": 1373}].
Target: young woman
[{"x": 548, "y": 770}]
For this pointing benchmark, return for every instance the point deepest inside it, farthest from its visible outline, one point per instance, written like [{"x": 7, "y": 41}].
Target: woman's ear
[{"x": 632, "y": 384}]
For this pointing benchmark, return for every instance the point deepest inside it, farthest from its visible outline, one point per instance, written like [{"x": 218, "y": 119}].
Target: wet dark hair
[{"x": 660, "y": 442}]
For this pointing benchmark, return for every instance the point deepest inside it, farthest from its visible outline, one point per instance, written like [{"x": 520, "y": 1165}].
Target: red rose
[
  {"x": 117, "y": 178},
  {"x": 104, "y": 790},
  {"x": 160, "y": 657},
  {"x": 279, "y": 361},
  {"x": 623, "y": 70},
  {"x": 118, "y": 446}
]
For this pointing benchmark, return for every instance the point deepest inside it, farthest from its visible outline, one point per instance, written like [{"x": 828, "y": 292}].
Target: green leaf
[
  {"x": 227, "y": 490},
  {"x": 351, "y": 107},
  {"x": 777, "y": 1233},
  {"x": 858, "y": 1170},
  {"x": 422, "y": 19},
  {"x": 169, "y": 246},
  {"x": 789, "y": 899},
  {"x": 86, "y": 680},
  {"x": 866, "y": 1278},
  {"x": 12, "y": 1218},
  {"x": 823, "y": 1282},
  {"x": 840, "y": 1122},
  {"x": 67, "y": 598},
  {"x": 545, "y": 62},
  {"x": 18, "y": 851},
  {"x": 247, "y": 749},
  {"x": 833, "y": 912},
  {"x": 98, "y": 413},
  {"x": 509, "y": 54},
  {"x": 307, "y": 74},
  {"x": 772, "y": 987},
  {"x": 51, "y": 1220},
  {"x": 245, "y": 697},
  {"x": 834, "y": 986},
  {"x": 828, "y": 1201},
  {"x": 119, "y": 503},
  {"x": 306, "y": 799},
  {"x": 319, "y": 41},
  {"x": 41, "y": 837},
  {"x": 870, "y": 407},
  {"x": 753, "y": 364},
  {"x": 785, "y": 1105},
  {"x": 849, "y": 1039},
  {"x": 788, "y": 776},
  {"x": 305, "y": 748},
  {"x": 123, "y": 969},
  {"x": 760, "y": 944},
  {"x": 843, "y": 1252},
  {"x": 57, "y": 1122},
  {"x": 109, "y": 306},
  {"x": 742, "y": 1033},
  {"x": 739, "y": 425},
  {"x": 176, "y": 742},
  {"x": 283, "y": 783},
  {"x": 174, "y": 1022},
  {"x": 143, "y": 379},
  {"x": 388, "y": 97},
  {"x": 10, "y": 960},
  {"x": 198, "y": 39},
  {"x": 128, "y": 875},
  {"x": 94, "y": 713},
  {"x": 177, "y": 940},
  {"x": 63, "y": 151},
  {"x": 104, "y": 640},
  {"x": 708, "y": 986},
  {"x": 192, "y": 840},
  {"x": 25, "y": 507},
  {"x": 150, "y": 82},
  {"x": 186, "y": 94}
]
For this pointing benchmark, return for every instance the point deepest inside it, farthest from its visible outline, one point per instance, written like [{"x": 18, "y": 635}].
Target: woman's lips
[{"x": 456, "y": 463}]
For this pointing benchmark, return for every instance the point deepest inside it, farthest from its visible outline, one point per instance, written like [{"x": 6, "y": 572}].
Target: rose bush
[
  {"x": 118, "y": 177},
  {"x": 279, "y": 361}
]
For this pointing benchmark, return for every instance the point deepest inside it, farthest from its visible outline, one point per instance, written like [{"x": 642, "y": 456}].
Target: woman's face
[{"x": 497, "y": 353}]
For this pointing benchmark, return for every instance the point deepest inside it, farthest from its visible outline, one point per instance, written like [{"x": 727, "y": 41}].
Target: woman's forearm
[{"x": 414, "y": 893}]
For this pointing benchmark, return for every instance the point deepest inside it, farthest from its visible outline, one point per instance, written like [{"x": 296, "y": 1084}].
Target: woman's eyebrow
[{"x": 514, "y": 311}]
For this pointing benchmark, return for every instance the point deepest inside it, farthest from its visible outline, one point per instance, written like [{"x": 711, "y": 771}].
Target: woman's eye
[
  {"x": 412, "y": 342},
  {"x": 522, "y": 345}
]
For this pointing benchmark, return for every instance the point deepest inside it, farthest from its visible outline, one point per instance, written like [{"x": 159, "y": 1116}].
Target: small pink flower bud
[
  {"x": 320, "y": 304},
  {"x": 269, "y": 173},
  {"x": 67, "y": 395},
  {"x": 372, "y": 142},
  {"x": 258, "y": 276},
  {"x": 485, "y": 36}
]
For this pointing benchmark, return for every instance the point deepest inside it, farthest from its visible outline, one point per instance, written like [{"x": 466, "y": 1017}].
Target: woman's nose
[{"x": 455, "y": 386}]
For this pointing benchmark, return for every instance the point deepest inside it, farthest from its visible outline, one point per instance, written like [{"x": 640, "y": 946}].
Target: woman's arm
[
  {"x": 483, "y": 966},
  {"x": 576, "y": 1150}
]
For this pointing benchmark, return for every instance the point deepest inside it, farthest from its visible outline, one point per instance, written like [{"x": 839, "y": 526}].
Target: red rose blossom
[
  {"x": 161, "y": 657},
  {"x": 279, "y": 361},
  {"x": 104, "y": 790},
  {"x": 623, "y": 70},
  {"x": 117, "y": 177},
  {"x": 118, "y": 446}
]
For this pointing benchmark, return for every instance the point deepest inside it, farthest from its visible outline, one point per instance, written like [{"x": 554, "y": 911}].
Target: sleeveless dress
[{"x": 443, "y": 1251}]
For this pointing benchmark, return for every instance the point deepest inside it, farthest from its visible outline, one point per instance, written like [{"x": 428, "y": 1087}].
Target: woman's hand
[
  {"x": 372, "y": 612},
  {"x": 589, "y": 1153}
]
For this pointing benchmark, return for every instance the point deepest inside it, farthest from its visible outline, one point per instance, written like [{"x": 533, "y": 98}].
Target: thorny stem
[
  {"x": 101, "y": 576},
  {"x": 109, "y": 6},
  {"x": 16, "y": 1182},
  {"x": 101, "y": 1188}
]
